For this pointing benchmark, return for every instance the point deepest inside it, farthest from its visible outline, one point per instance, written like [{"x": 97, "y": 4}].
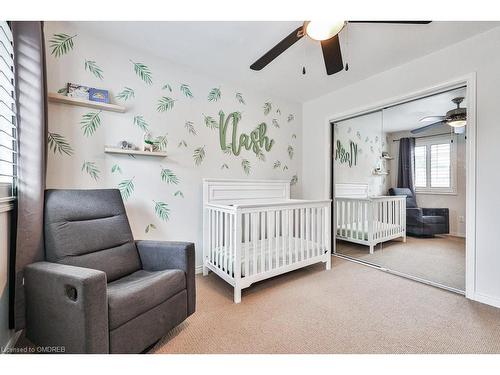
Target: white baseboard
[
  {"x": 11, "y": 343},
  {"x": 488, "y": 300},
  {"x": 462, "y": 235},
  {"x": 198, "y": 269}
]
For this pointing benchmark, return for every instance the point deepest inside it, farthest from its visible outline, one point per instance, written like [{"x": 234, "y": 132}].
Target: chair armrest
[
  {"x": 162, "y": 255},
  {"x": 414, "y": 216},
  {"x": 66, "y": 306},
  {"x": 436, "y": 212}
]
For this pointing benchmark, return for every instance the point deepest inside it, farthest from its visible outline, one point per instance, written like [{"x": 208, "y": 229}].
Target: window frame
[
  {"x": 8, "y": 189},
  {"x": 436, "y": 140}
]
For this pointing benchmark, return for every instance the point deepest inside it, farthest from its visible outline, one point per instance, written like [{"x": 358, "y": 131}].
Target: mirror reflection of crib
[{"x": 368, "y": 220}]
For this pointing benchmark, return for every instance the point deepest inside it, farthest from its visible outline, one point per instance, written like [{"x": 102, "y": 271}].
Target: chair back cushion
[
  {"x": 89, "y": 228},
  {"x": 411, "y": 201}
]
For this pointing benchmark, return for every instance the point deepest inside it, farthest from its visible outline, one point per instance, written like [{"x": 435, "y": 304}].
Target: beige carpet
[
  {"x": 439, "y": 259},
  {"x": 350, "y": 309}
]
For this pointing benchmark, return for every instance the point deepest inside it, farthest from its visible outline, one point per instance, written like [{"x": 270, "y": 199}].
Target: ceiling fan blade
[
  {"x": 332, "y": 55},
  {"x": 427, "y": 127},
  {"x": 278, "y": 49},
  {"x": 432, "y": 118},
  {"x": 396, "y": 22}
]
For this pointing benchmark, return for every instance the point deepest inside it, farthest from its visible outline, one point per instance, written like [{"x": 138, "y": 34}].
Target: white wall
[
  {"x": 366, "y": 132},
  {"x": 480, "y": 54},
  {"x": 455, "y": 202},
  {"x": 5, "y": 332},
  {"x": 185, "y": 221}
]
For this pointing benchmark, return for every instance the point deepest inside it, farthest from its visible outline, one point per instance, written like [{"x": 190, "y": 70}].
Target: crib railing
[
  {"x": 247, "y": 243},
  {"x": 370, "y": 220}
]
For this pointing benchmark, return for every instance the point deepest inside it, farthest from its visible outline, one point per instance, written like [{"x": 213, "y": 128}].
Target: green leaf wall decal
[
  {"x": 126, "y": 94},
  {"x": 165, "y": 104},
  {"x": 239, "y": 98},
  {"x": 143, "y": 71},
  {"x": 210, "y": 122},
  {"x": 61, "y": 44},
  {"x": 149, "y": 228},
  {"x": 91, "y": 168},
  {"x": 291, "y": 117},
  {"x": 224, "y": 166},
  {"x": 267, "y": 107},
  {"x": 290, "y": 152},
  {"x": 116, "y": 169},
  {"x": 162, "y": 210},
  {"x": 141, "y": 123},
  {"x": 294, "y": 136},
  {"x": 214, "y": 94},
  {"x": 294, "y": 180},
  {"x": 189, "y": 125},
  {"x": 245, "y": 164},
  {"x": 198, "y": 155},
  {"x": 167, "y": 87},
  {"x": 63, "y": 90},
  {"x": 278, "y": 112},
  {"x": 168, "y": 176},
  {"x": 182, "y": 143},
  {"x": 93, "y": 68},
  {"x": 90, "y": 122},
  {"x": 260, "y": 155},
  {"x": 58, "y": 143},
  {"x": 186, "y": 90},
  {"x": 161, "y": 142},
  {"x": 285, "y": 167},
  {"x": 277, "y": 164},
  {"x": 179, "y": 193},
  {"x": 276, "y": 123},
  {"x": 126, "y": 188}
]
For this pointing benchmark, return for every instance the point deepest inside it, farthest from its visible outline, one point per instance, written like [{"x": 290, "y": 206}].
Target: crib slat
[
  {"x": 277, "y": 231},
  {"x": 247, "y": 243},
  {"x": 302, "y": 228},
  {"x": 226, "y": 241},
  {"x": 262, "y": 240},
  {"x": 307, "y": 232},
  {"x": 269, "y": 241},
  {"x": 231, "y": 245},
  {"x": 296, "y": 234}
]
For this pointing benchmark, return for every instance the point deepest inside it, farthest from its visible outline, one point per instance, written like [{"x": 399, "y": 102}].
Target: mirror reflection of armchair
[{"x": 423, "y": 221}]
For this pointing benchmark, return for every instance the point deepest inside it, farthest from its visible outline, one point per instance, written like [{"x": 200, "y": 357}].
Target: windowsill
[{"x": 435, "y": 192}]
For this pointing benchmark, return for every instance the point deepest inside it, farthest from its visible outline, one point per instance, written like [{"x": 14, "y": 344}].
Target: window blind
[
  {"x": 420, "y": 166},
  {"x": 8, "y": 115},
  {"x": 441, "y": 165}
]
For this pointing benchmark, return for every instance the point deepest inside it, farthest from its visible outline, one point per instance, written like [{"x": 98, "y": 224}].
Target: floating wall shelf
[
  {"x": 380, "y": 173},
  {"x": 115, "y": 150},
  {"x": 58, "y": 98}
]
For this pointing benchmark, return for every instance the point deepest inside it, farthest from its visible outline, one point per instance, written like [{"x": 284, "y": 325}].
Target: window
[
  {"x": 435, "y": 160},
  {"x": 8, "y": 133}
]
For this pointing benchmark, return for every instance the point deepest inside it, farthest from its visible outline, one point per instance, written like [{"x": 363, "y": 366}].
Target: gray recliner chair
[
  {"x": 99, "y": 290},
  {"x": 425, "y": 222}
]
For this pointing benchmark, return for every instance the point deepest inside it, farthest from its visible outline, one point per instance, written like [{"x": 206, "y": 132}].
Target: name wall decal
[
  {"x": 347, "y": 157},
  {"x": 256, "y": 141}
]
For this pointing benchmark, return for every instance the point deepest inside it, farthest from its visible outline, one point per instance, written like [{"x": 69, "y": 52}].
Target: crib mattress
[
  {"x": 261, "y": 249},
  {"x": 359, "y": 234}
]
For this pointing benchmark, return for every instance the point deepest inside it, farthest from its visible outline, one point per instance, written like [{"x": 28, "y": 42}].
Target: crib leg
[
  {"x": 237, "y": 295},
  {"x": 328, "y": 262},
  {"x": 404, "y": 238},
  {"x": 205, "y": 270},
  {"x": 371, "y": 249}
]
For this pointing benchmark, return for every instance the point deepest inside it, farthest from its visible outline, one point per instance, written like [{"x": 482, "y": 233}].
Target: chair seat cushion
[
  {"x": 141, "y": 291},
  {"x": 434, "y": 219}
]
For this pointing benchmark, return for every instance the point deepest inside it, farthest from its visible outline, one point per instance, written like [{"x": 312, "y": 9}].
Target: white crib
[
  {"x": 368, "y": 220},
  {"x": 252, "y": 231}
]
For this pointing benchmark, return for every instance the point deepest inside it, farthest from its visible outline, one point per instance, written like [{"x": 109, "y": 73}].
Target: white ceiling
[
  {"x": 225, "y": 50},
  {"x": 406, "y": 116}
]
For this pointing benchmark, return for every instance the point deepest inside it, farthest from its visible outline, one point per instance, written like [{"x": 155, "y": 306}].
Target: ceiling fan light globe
[
  {"x": 323, "y": 30},
  {"x": 457, "y": 123}
]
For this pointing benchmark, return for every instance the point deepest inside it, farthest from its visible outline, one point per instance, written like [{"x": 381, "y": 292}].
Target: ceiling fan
[
  {"x": 327, "y": 34},
  {"x": 456, "y": 118}
]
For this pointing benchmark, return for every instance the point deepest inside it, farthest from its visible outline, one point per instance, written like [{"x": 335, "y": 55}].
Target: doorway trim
[{"x": 468, "y": 80}]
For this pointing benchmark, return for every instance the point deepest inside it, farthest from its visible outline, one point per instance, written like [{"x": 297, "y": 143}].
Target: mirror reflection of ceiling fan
[
  {"x": 456, "y": 118},
  {"x": 327, "y": 34}
]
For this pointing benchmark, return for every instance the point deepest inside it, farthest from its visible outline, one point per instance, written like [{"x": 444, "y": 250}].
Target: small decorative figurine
[{"x": 148, "y": 142}]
